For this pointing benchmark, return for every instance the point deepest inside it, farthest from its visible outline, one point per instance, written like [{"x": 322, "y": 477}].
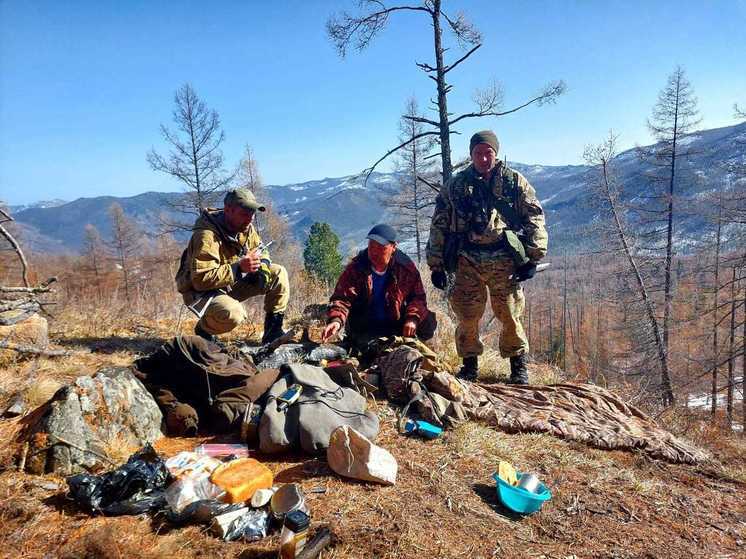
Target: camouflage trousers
[
  {"x": 468, "y": 299},
  {"x": 226, "y": 311}
]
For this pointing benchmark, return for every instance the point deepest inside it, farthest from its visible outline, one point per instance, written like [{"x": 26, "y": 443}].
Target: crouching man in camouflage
[
  {"x": 487, "y": 228},
  {"x": 225, "y": 263}
]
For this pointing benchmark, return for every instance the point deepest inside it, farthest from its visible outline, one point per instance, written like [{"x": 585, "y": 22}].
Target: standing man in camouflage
[
  {"x": 488, "y": 229},
  {"x": 225, "y": 263}
]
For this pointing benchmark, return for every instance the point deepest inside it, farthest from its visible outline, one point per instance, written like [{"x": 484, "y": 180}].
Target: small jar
[{"x": 294, "y": 533}]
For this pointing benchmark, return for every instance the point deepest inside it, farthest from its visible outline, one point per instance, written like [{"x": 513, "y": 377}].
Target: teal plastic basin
[{"x": 518, "y": 499}]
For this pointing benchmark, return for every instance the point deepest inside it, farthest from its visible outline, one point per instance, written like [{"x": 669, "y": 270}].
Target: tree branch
[
  {"x": 428, "y": 183},
  {"x": 546, "y": 96},
  {"x": 43, "y": 288},
  {"x": 460, "y": 60},
  {"x": 370, "y": 169},
  {"x": 466, "y": 33},
  {"x": 366, "y": 27},
  {"x": 5, "y": 233},
  {"x": 425, "y": 67},
  {"x": 34, "y": 350},
  {"x": 421, "y": 119}
]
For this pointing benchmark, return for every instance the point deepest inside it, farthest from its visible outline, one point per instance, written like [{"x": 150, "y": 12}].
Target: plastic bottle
[
  {"x": 222, "y": 449},
  {"x": 422, "y": 428},
  {"x": 294, "y": 534}
]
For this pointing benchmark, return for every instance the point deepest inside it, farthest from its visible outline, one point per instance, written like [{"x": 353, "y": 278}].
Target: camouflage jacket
[
  {"x": 467, "y": 195},
  {"x": 210, "y": 261}
]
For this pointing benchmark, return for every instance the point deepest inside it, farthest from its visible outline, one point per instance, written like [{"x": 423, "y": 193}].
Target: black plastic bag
[{"x": 133, "y": 488}]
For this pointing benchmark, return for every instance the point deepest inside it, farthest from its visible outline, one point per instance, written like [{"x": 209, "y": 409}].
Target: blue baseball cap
[{"x": 382, "y": 234}]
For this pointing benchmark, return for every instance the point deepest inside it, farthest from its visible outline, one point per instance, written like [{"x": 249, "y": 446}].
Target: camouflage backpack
[{"x": 397, "y": 368}]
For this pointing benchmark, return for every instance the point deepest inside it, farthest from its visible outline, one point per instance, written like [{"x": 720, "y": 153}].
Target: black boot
[
  {"x": 518, "y": 370},
  {"x": 203, "y": 334},
  {"x": 273, "y": 327},
  {"x": 470, "y": 369}
]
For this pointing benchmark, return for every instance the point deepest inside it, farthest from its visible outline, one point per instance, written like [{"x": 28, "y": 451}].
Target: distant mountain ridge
[
  {"x": 40, "y": 204},
  {"x": 352, "y": 208}
]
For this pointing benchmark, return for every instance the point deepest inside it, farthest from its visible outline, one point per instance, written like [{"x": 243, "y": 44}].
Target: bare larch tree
[
  {"x": 359, "y": 30},
  {"x": 413, "y": 198},
  {"x": 125, "y": 244},
  {"x": 271, "y": 225},
  {"x": 606, "y": 194},
  {"x": 93, "y": 252},
  {"x": 248, "y": 172},
  {"x": 195, "y": 157},
  {"x": 674, "y": 116}
]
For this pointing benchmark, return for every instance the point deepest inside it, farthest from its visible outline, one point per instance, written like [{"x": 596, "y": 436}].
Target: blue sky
[{"x": 84, "y": 85}]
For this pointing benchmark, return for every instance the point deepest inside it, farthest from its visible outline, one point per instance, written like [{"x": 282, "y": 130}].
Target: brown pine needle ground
[{"x": 605, "y": 504}]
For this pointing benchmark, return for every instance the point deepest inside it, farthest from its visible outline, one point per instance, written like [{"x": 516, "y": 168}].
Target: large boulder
[{"x": 91, "y": 420}]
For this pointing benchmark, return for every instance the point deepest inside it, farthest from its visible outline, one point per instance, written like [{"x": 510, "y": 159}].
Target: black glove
[
  {"x": 525, "y": 272},
  {"x": 439, "y": 278}
]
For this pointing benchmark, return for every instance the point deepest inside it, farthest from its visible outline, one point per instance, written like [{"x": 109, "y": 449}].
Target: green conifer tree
[{"x": 321, "y": 256}]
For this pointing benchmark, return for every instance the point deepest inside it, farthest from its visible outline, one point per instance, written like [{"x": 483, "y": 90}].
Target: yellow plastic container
[{"x": 241, "y": 478}]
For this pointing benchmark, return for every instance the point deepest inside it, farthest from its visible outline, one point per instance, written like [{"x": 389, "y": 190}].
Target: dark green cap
[
  {"x": 484, "y": 137},
  {"x": 243, "y": 197}
]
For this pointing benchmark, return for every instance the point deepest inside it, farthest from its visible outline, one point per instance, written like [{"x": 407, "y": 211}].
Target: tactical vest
[{"x": 477, "y": 210}]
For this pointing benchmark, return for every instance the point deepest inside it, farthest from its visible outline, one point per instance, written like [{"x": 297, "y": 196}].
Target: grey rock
[
  {"x": 110, "y": 410},
  {"x": 17, "y": 407}
]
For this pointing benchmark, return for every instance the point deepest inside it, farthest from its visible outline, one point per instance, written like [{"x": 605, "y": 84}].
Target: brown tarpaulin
[{"x": 577, "y": 412}]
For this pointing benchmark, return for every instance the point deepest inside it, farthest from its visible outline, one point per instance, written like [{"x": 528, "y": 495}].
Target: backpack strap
[
  {"x": 412, "y": 367},
  {"x": 508, "y": 202}
]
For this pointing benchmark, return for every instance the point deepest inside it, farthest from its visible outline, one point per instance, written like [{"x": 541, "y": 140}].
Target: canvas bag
[{"x": 322, "y": 407}]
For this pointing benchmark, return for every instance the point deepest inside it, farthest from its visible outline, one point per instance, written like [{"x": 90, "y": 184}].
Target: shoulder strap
[{"x": 506, "y": 204}]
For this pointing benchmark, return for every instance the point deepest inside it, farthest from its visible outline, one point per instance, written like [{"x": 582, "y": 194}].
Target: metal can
[
  {"x": 529, "y": 482},
  {"x": 287, "y": 499}
]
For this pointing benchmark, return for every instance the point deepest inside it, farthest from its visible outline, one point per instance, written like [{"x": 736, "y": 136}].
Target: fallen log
[
  {"x": 42, "y": 288},
  {"x": 34, "y": 350}
]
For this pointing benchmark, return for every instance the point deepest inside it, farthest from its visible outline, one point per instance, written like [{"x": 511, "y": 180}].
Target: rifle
[
  {"x": 201, "y": 302},
  {"x": 539, "y": 268}
]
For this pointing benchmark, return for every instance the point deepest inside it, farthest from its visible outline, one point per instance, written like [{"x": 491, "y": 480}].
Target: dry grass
[{"x": 605, "y": 504}]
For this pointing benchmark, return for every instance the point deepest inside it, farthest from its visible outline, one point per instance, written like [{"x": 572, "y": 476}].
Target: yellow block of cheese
[{"x": 241, "y": 478}]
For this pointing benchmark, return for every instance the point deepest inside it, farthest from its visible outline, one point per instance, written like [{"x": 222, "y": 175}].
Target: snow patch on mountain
[{"x": 688, "y": 140}]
